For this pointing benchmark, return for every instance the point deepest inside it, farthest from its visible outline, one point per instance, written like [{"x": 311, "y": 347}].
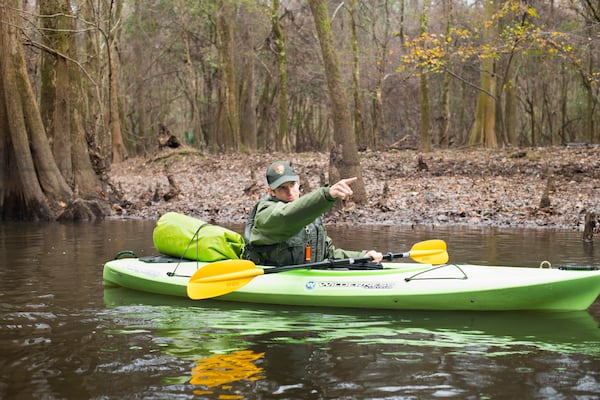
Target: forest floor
[{"x": 513, "y": 188}]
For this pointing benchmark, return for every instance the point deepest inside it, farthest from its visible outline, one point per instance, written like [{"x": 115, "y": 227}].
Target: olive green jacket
[{"x": 279, "y": 232}]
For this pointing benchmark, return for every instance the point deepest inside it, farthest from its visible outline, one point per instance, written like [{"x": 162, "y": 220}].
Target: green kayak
[{"x": 402, "y": 286}]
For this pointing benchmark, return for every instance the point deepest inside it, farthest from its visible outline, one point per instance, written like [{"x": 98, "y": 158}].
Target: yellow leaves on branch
[
  {"x": 426, "y": 51},
  {"x": 515, "y": 7},
  {"x": 434, "y": 52}
]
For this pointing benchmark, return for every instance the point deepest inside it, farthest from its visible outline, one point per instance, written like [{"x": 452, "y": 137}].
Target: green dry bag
[{"x": 179, "y": 235}]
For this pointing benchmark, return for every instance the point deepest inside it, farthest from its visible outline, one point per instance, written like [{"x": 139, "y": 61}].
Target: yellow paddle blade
[
  {"x": 433, "y": 256},
  {"x": 433, "y": 244},
  {"x": 430, "y": 252},
  {"x": 220, "y": 278}
]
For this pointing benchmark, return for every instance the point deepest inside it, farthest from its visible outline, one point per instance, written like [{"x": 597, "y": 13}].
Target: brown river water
[{"x": 64, "y": 336}]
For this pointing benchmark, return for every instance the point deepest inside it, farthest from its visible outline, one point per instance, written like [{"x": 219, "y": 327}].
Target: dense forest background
[{"x": 87, "y": 83}]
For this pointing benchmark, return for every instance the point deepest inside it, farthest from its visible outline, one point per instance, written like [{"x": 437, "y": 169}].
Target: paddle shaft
[
  {"x": 334, "y": 262},
  {"x": 252, "y": 272}
]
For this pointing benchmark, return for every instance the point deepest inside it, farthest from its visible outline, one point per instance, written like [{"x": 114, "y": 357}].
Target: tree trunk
[
  {"x": 590, "y": 104},
  {"x": 119, "y": 152},
  {"x": 510, "y": 112},
  {"x": 425, "y": 125},
  {"x": 348, "y": 164},
  {"x": 564, "y": 98},
  {"x": 444, "y": 139},
  {"x": 484, "y": 128},
  {"x": 192, "y": 89},
  {"x": 229, "y": 120},
  {"x": 93, "y": 107},
  {"x": 30, "y": 181},
  {"x": 55, "y": 106},
  {"x": 381, "y": 46},
  {"x": 266, "y": 126},
  {"x": 248, "y": 107},
  {"x": 113, "y": 118},
  {"x": 211, "y": 108},
  {"x": 142, "y": 132},
  {"x": 48, "y": 66},
  {"x": 283, "y": 133},
  {"x": 359, "y": 127},
  {"x": 60, "y": 92}
]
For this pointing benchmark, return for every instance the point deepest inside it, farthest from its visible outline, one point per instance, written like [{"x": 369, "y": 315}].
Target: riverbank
[{"x": 513, "y": 188}]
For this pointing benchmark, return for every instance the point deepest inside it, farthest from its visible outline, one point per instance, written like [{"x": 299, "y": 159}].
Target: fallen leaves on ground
[{"x": 472, "y": 187}]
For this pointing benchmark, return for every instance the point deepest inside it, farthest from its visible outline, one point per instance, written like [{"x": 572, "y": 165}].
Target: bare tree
[
  {"x": 359, "y": 126},
  {"x": 444, "y": 139},
  {"x": 283, "y": 137},
  {"x": 344, "y": 161},
  {"x": 229, "y": 117},
  {"x": 425, "y": 125}
]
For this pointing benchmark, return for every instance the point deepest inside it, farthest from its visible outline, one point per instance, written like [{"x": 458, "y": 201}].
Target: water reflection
[
  {"x": 494, "y": 333},
  {"x": 222, "y": 369},
  {"x": 332, "y": 353}
]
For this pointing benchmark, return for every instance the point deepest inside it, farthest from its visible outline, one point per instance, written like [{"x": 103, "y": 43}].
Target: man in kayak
[{"x": 287, "y": 229}]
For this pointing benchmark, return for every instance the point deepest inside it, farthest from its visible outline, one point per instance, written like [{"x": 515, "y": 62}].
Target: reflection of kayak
[
  {"x": 233, "y": 325},
  {"x": 396, "y": 286}
]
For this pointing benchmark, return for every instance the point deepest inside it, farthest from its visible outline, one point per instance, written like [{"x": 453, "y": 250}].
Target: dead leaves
[{"x": 465, "y": 187}]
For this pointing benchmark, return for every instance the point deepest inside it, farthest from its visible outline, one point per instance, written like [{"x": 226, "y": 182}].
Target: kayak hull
[{"x": 401, "y": 286}]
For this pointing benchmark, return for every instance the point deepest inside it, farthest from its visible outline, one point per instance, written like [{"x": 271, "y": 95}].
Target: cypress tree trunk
[
  {"x": 31, "y": 185},
  {"x": 55, "y": 104},
  {"x": 60, "y": 93}
]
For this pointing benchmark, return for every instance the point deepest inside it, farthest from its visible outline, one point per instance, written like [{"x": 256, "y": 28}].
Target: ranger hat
[{"x": 279, "y": 173}]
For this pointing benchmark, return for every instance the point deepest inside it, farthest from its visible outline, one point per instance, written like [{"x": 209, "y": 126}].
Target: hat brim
[{"x": 282, "y": 180}]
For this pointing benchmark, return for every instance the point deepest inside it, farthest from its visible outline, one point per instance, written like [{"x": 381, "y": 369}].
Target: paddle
[{"x": 226, "y": 276}]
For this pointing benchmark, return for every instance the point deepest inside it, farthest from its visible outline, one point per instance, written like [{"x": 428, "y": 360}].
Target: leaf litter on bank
[{"x": 473, "y": 187}]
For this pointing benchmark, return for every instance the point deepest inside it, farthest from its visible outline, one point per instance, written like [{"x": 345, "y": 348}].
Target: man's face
[{"x": 287, "y": 192}]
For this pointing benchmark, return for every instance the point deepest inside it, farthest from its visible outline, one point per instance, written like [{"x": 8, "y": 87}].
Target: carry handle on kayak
[{"x": 226, "y": 276}]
